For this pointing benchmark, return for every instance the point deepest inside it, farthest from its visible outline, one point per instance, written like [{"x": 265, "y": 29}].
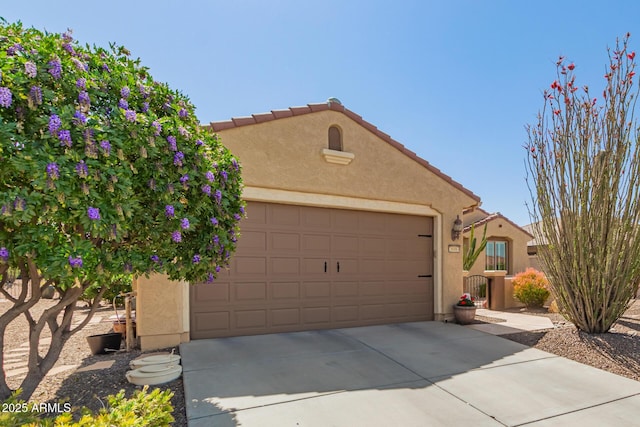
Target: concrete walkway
[
  {"x": 411, "y": 374},
  {"x": 513, "y": 322}
]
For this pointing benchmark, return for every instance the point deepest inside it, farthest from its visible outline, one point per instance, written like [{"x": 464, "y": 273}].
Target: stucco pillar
[
  {"x": 162, "y": 312},
  {"x": 496, "y": 290}
]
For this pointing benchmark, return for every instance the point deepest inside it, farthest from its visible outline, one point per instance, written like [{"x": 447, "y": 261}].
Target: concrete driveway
[{"x": 411, "y": 374}]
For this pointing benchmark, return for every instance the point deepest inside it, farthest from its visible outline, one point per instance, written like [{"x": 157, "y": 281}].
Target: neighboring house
[
  {"x": 345, "y": 227},
  {"x": 504, "y": 256},
  {"x": 507, "y": 242}
]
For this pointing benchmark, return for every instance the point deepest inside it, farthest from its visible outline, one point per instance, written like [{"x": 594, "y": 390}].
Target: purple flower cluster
[
  {"x": 199, "y": 142},
  {"x": 30, "y": 69},
  {"x": 79, "y": 118},
  {"x": 145, "y": 107},
  {"x": 178, "y": 158},
  {"x": 68, "y": 48},
  {"x": 54, "y": 124},
  {"x": 184, "y": 223},
  {"x": 123, "y": 103},
  {"x": 75, "y": 262},
  {"x": 55, "y": 68},
  {"x": 106, "y": 147},
  {"x": 4, "y": 253},
  {"x": 80, "y": 66},
  {"x": 176, "y": 236},
  {"x": 234, "y": 162},
  {"x": 19, "y": 204},
  {"x": 65, "y": 137},
  {"x": 130, "y": 115},
  {"x": 206, "y": 189},
  {"x": 184, "y": 178},
  {"x": 82, "y": 169},
  {"x": 35, "y": 95},
  {"x": 183, "y": 113},
  {"x": 224, "y": 175},
  {"x": 196, "y": 259},
  {"x": 237, "y": 217},
  {"x": 11, "y": 50},
  {"x": 93, "y": 213},
  {"x": 172, "y": 143},
  {"x": 52, "y": 171},
  {"x": 157, "y": 126},
  {"x": 83, "y": 98},
  {"x": 210, "y": 176},
  {"x": 169, "y": 211},
  {"x": 124, "y": 92},
  {"x": 81, "y": 83},
  {"x": 210, "y": 278},
  {"x": 155, "y": 258},
  {"x": 182, "y": 131},
  {"x": 218, "y": 196},
  {"x": 5, "y": 97},
  {"x": 214, "y": 221}
]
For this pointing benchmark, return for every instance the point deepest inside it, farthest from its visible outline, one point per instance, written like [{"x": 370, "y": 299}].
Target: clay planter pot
[
  {"x": 99, "y": 344},
  {"x": 464, "y": 315}
]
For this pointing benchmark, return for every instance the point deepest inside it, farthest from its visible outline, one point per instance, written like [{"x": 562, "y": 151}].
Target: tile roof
[
  {"x": 334, "y": 106},
  {"x": 491, "y": 217}
]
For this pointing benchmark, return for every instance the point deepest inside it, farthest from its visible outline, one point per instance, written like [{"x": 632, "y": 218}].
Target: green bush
[
  {"x": 117, "y": 285},
  {"x": 531, "y": 288},
  {"x": 143, "y": 409}
]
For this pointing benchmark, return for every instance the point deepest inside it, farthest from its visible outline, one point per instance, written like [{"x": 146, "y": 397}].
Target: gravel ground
[
  {"x": 617, "y": 351},
  {"x": 89, "y": 387}
]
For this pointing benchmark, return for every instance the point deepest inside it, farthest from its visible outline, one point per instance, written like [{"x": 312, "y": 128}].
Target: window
[
  {"x": 496, "y": 252},
  {"x": 335, "y": 138}
]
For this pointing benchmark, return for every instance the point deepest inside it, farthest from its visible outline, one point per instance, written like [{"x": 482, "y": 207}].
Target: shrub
[
  {"x": 531, "y": 288},
  {"x": 143, "y": 409}
]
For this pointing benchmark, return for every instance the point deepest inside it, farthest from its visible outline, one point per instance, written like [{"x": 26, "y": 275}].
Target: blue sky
[{"x": 455, "y": 81}]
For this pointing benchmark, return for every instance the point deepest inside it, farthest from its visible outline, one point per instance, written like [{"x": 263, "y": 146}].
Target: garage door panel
[
  {"x": 247, "y": 266},
  {"x": 316, "y": 289},
  {"x": 285, "y": 266},
  {"x": 315, "y": 315},
  {"x": 277, "y": 281},
  {"x": 251, "y": 291},
  {"x": 251, "y": 319},
  {"x": 285, "y": 242},
  {"x": 212, "y": 292},
  {"x": 285, "y": 290},
  {"x": 285, "y": 317},
  {"x": 344, "y": 289}
]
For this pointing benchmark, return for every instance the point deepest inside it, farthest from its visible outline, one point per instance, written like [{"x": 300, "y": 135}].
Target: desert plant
[
  {"x": 104, "y": 171},
  {"x": 583, "y": 161},
  {"x": 531, "y": 288},
  {"x": 144, "y": 408},
  {"x": 472, "y": 253},
  {"x": 117, "y": 285}
]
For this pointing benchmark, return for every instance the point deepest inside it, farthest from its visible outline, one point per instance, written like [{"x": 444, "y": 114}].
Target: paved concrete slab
[
  {"x": 424, "y": 373},
  {"x": 410, "y": 404},
  {"x": 623, "y": 412}
]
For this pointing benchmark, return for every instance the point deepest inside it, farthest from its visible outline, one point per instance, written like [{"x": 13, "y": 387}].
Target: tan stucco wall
[{"x": 162, "y": 312}]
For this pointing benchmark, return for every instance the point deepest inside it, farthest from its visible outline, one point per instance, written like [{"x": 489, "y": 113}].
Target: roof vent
[{"x": 333, "y": 101}]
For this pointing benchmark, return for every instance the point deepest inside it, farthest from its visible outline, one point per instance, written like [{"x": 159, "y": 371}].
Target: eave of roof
[
  {"x": 255, "y": 119},
  {"x": 494, "y": 216}
]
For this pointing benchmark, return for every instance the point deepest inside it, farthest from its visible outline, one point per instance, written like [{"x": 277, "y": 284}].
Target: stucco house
[
  {"x": 505, "y": 254},
  {"x": 345, "y": 227}
]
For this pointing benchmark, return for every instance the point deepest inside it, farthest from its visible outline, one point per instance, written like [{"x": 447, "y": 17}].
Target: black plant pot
[{"x": 99, "y": 344}]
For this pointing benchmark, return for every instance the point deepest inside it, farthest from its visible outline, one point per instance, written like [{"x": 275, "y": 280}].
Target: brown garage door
[{"x": 299, "y": 268}]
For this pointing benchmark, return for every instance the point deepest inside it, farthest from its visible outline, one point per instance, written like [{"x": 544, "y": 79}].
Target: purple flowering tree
[{"x": 104, "y": 171}]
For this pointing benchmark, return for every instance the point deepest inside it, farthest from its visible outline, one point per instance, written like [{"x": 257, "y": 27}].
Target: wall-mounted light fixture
[{"x": 457, "y": 228}]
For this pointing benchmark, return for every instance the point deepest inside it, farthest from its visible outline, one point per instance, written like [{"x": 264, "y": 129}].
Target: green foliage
[
  {"x": 105, "y": 170},
  {"x": 142, "y": 409},
  {"x": 531, "y": 288},
  {"x": 472, "y": 253}
]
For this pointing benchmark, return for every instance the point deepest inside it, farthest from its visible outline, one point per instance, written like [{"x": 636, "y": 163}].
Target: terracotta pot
[{"x": 464, "y": 315}]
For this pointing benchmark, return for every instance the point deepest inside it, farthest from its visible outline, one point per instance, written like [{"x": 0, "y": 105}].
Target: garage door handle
[
  {"x": 325, "y": 266},
  {"x": 338, "y": 266},
  {"x": 425, "y": 275}
]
